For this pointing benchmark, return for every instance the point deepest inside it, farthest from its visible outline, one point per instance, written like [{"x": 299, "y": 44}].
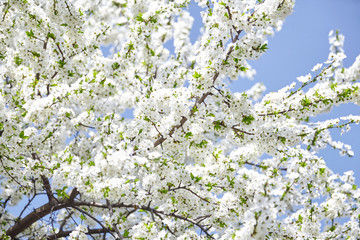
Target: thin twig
[
  {"x": 93, "y": 218},
  {"x": 8, "y": 172},
  {"x": 187, "y": 189}
]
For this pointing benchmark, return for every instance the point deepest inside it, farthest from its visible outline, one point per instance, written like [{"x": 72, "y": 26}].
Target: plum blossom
[{"x": 120, "y": 135}]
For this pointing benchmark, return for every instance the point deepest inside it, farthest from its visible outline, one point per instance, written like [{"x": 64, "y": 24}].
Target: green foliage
[{"x": 248, "y": 119}]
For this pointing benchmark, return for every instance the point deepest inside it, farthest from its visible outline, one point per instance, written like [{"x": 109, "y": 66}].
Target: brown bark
[
  {"x": 34, "y": 216},
  {"x": 67, "y": 233},
  {"x": 53, "y": 205}
]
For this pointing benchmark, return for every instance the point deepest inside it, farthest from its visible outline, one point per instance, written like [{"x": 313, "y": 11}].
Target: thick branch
[
  {"x": 47, "y": 188},
  {"x": 34, "y": 216},
  {"x": 37, "y": 214}
]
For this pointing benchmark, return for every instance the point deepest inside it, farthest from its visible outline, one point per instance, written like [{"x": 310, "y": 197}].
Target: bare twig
[
  {"x": 94, "y": 218},
  {"x": 189, "y": 190},
  {"x": 260, "y": 166}
]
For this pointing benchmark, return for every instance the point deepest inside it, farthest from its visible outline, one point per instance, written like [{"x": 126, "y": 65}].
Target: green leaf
[
  {"x": 217, "y": 125},
  {"x": 152, "y": 52},
  {"x": 35, "y": 54},
  {"x": 248, "y": 119},
  {"x": 264, "y": 47},
  {"x": 197, "y": 75},
  {"x": 18, "y": 60},
  {"x": 282, "y": 139},
  {"x": 300, "y": 219},
  {"x": 202, "y": 144},
  {"x": 305, "y": 102},
  {"x": 70, "y": 73},
  {"x": 321, "y": 171},
  {"x": 243, "y": 69},
  {"x": 115, "y": 66},
  {"x": 30, "y": 33},
  {"x": 61, "y": 63},
  {"x": 163, "y": 190},
  {"x": 51, "y": 35},
  {"x": 188, "y": 135},
  {"x": 22, "y": 135},
  {"x": 230, "y": 180},
  {"x": 302, "y": 164},
  {"x": 140, "y": 18},
  {"x": 197, "y": 179},
  {"x": 106, "y": 191},
  {"x": 31, "y": 16},
  {"x": 62, "y": 193}
]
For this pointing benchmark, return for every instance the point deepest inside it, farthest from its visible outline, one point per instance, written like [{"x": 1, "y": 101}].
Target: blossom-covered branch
[{"x": 107, "y": 131}]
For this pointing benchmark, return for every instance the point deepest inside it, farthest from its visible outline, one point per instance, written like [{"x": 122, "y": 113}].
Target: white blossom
[{"x": 120, "y": 135}]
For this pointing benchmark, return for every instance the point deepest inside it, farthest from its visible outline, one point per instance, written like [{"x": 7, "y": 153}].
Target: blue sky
[{"x": 301, "y": 44}]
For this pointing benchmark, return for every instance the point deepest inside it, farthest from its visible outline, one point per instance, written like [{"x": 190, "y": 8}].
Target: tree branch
[
  {"x": 53, "y": 205},
  {"x": 187, "y": 189},
  {"x": 7, "y": 172},
  {"x": 34, "y": 216},
  {"x": 47, "y": 188},
  {"x": 62, "y": 234},
  {"x": 202, "y": 98},
  {"x": 95, "y": 219}
]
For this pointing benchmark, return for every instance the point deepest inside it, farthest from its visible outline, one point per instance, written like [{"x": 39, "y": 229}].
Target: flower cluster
[{"x": 196, "y": 160}]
